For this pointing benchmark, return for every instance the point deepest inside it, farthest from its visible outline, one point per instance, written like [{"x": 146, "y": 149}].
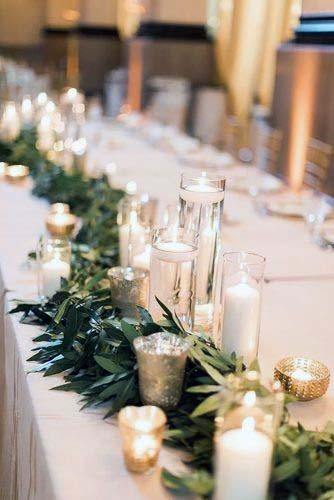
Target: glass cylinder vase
[
  {"x": 131, "y": 232},
  {"x": 240, "y": 312},
  {"x": 202, "y": 203},
  {"x": 172, "y": 273},
  {"x": 244, "y": 443},
  {"x": 54, "y": 263}
]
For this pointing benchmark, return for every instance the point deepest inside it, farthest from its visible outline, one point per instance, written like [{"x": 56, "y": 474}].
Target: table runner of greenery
[{"x": 86, "y": 340}]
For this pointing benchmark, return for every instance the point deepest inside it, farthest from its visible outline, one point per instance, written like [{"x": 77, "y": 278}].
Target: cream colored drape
[{"x": 247, "y": 35}]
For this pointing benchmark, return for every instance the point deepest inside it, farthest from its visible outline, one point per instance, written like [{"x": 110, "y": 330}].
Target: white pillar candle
[
  {"x": 27, "y": 111},
  {"x": 241, "y": 320},
  {"x": 137, "y": 240},
  {"x": 243, "y": 464},
  {"x": 143, "y": 259},
  {"x": 52, "y": 272},
  {"x": 10, "y": 124},
  {"x": 46, "y": 136}
]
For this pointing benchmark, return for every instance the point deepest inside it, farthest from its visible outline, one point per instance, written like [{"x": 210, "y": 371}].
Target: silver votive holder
[
  {"x": 161, "y": 364},
  {"x": 129, "y": 288}
]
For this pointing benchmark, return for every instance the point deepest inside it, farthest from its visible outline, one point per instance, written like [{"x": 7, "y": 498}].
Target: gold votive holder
[
  {"x": 59, "y": 208},
  {"x": 305, "y": 378},
  {"x": 3, "y": 168},
  {"x": 61, "y": 224},
  {"x": 16, "y": 173},
  {"x": 129, "y": 288},
  {"x": 161, "y": 360},
  {"x": 142, "y": 432}
]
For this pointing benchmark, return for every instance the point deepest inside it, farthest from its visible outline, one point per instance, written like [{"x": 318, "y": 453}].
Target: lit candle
[
  {"x": 46, "y": 136},
  {"x": 202, "y": 192},
  {"x": 60, "y": 224},
  {"x": 143, "y": 259},
  {"x": 59, "y": 208},
  {"x": 301, "y": 375},
  {"x": 243, "y": 463},
  {"x": 3, "y": 168},
  {"x": 241, "y": 320},
  {"x": 16, "y": 173},
  {"x": 132, "y": 233},
  {"x": 52, "y": 272},
  {"x": 10, "y": 124},
  {"x": 171, "y": 272},
  {"x": 27, "y": 111},
  {"x": 142, "y": 431}
]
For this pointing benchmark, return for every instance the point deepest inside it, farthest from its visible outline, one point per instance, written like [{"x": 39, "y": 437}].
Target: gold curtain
[{"x": 247, "y": 35}]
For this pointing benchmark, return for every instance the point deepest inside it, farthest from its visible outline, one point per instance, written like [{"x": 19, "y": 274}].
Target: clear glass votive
[
  {"x": 129, "y": 288},
  {"x": 240, "y": 311},
  {"x": 161, "y": 360},
  {"x": 202, "y": 203},
  {"x": 172, "y": 273},
  {"x": 244, "y": 443},
  {"x": 60, "y": 224},
  {"x": 131, "y": 231},
  {"x": 142, "y": 433},
  {"x": 54, "y": 263}
]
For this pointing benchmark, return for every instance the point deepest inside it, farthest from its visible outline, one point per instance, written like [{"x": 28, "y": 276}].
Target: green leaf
[
  {"x": 209, "y": 405},
  {"x": 108, "y": 364}
]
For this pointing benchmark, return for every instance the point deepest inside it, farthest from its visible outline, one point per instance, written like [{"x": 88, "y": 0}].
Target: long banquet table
[{"x": 51, "y": 450}]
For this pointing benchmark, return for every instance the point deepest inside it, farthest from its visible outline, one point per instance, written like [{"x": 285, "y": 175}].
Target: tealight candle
[
  {"x": 16, "y": 173},
  {"x": 161, "y": 363},
  {"x": 142, "y": 432},
  {"x": 60, "y": 224},
  {"x": 305, "y": 378},
  {"x": 59, "y": 208}
]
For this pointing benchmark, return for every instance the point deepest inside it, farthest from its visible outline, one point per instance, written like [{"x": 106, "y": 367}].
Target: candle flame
[
  {"x": 248, "y": 424},
  {"x": 249, "y": 399}
]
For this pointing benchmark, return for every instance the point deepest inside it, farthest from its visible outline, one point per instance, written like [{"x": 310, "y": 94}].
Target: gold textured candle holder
[
  {"x": 142, "y": 432},
  {"x": 60, "y": 224},
  {"x": 16, "y": 173},
  {"x": 305, "y": 378},
  {"x": 161, "y": 360}
]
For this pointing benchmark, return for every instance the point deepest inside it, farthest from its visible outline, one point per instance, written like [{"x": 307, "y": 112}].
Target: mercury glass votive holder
[
  {"x": 161, "y": 360},
  {"x": 129, "y": 288},
  {"x": 305, "y": 378},
  {"x": 142, "y": 432},
  {"x": 60, "y": 224},
  {"x": 16, "y": 173}
]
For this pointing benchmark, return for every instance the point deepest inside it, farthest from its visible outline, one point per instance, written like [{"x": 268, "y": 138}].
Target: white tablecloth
[{"x": 51, "y": 450}]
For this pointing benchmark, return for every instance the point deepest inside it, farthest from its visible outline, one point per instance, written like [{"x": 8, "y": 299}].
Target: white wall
[
  {"x": 318, "y": 6},
  {"x": 21, "y": 22}
]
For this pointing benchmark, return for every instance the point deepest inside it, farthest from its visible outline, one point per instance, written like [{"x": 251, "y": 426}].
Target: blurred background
[{"x": 232, "y": 73}]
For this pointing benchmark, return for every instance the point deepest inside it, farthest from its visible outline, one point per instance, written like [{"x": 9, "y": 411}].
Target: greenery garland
[{"x": 85, "y": 336}]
